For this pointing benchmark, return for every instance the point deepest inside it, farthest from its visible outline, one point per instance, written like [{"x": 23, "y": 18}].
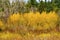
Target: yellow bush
[
  {"x": 14, "y": 17},
  {"x": 1, "y": 23},
  {"x": 35, "y": 21},
  {"x": 2, "y": 26}
]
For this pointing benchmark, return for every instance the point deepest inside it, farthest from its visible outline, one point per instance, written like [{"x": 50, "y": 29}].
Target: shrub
[
  {"x": 2, "y": 26},
  {"x": 33, "y": 21}
]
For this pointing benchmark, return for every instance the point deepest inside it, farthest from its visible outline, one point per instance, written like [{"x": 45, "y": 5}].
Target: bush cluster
[{"x": 31, "y": 21}]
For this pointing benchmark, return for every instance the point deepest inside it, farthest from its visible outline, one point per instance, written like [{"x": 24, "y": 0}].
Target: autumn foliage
[{"x": 32, "y": 21}]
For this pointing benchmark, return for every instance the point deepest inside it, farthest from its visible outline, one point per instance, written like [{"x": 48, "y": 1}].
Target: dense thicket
[{"x": 21, "y": 6}]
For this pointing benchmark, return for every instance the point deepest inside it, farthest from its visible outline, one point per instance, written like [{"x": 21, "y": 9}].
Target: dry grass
[{"x": 12, "y": 36}]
